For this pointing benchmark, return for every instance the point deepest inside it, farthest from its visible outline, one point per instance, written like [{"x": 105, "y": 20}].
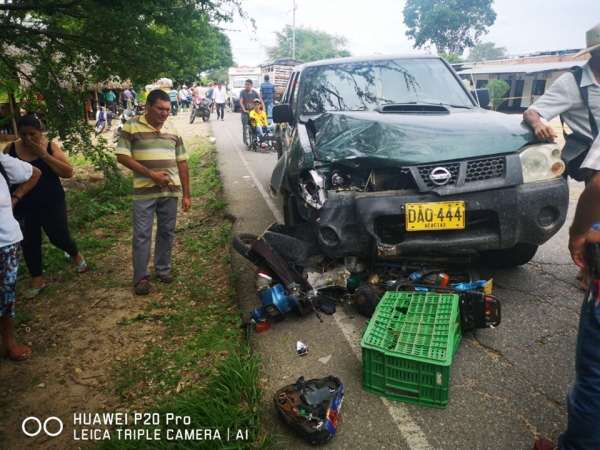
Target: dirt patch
[{"x": 76, "y": 334}]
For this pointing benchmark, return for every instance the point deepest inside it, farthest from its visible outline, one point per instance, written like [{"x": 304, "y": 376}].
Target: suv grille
[
  {"x": 474, "y": 170},
  {"x": 425, "y": 171},
  {"x": 485, "y": 169}
]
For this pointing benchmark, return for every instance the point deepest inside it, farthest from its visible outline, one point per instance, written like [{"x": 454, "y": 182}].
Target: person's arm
[
  {"x": 555, "y": 101},
  {"x": 160, "y": 178},
  {"x": 184, "y": 177},
  {"x": 242, "y": 104},
  {"x": 25, "y": 187},
  {"x": 542, "y": 132},
  {"x": 586, "y": 214},
  {"x": 57, "y": 161}
]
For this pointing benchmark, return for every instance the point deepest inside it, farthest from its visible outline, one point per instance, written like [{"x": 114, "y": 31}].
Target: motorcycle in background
[
  {"x": 103, "y": 120},
  {"x": 125, "y": 116},
  {"x": 138, "y": 107},
  {"x": 200, "y": 108}
]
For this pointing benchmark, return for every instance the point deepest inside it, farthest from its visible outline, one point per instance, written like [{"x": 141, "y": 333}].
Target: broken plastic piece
[
  {"x": 327, "y": 305},
  {"x": 325, "y": 359},
  {"x": 264, "y": 325},
  {"x": 316, "y": 397},
  {"x": 301, "y": 348}
]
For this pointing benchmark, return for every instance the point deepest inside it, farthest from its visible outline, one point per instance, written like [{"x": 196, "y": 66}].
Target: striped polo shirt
[{"x": 157, "y": 150}]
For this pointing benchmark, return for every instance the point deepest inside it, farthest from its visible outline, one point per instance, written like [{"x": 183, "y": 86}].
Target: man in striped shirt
[{"x": 153, "y": 149}]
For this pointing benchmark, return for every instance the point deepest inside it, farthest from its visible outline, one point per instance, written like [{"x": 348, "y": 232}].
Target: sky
[{"x": 376, "y": 26}]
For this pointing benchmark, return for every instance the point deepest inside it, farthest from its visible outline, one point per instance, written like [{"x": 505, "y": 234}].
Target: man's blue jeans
[
  {"x": 583, "y": 397},
  {"x": 261, "y": 131},
  {"x": 269, "y": 107}
]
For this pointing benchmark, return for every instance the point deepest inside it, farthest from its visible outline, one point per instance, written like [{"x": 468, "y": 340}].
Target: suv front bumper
[{"x": 373, "y": 224}]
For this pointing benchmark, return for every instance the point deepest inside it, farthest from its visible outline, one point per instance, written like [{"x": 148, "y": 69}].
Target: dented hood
[{"x": 407, "y": 139}]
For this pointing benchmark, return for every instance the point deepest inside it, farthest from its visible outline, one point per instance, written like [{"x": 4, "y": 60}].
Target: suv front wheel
[
  {"x": 291, "y": 215},
  {"x": 510, "y": 257}
]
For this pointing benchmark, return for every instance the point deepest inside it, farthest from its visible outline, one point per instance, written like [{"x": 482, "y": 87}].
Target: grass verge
[{"x": 192, "y": 363}]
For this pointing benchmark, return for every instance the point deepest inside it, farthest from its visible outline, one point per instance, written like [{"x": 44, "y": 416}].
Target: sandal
[
  {"x": 18, "y": 352},
  {"x": 82, "y": 267},
  {"x": 33, "y": 293}
]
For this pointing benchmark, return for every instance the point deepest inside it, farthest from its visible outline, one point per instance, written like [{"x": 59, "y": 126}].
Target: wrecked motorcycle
[{"x": 292, "y": 274}]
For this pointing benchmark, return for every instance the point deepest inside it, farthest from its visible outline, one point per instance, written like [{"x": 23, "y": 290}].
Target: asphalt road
[{"x": 508, "y": 384}]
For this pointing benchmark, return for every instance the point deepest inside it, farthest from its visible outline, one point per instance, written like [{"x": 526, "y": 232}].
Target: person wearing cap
[
  {"x": 258, "y": 119},
  {"x": 563, "y": 97},
  {"x": 219, "y": 98}
]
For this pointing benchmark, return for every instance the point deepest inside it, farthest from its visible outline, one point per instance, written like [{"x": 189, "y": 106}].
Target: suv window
[{"x": 363, "y": 86}]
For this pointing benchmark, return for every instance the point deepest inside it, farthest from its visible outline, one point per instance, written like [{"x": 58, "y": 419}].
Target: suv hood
[{"x": 408, "y": 139}]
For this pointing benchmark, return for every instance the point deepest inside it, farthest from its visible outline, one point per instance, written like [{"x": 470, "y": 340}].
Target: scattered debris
[
  {"x": 301, "y": 348},
  {"x": 325, "y": 359},
  {"x": 292, "y": 274},
  {"x": 311, "y": 407}
]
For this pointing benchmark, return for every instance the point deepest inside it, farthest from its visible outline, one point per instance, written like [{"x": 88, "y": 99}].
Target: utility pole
[{"x": 294, "y": 30}]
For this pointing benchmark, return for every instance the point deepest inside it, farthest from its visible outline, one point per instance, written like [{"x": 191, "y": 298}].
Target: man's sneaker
[
  {"x": 166, "y": 278},
  {"x": 263, "y": 145},
  {"x": 142, "y": 288}
]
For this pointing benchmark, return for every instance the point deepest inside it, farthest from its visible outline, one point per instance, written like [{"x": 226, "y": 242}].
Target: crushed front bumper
[{"x": 373, "y": 224}]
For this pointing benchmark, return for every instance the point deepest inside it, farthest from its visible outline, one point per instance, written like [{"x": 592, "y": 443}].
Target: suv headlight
[{"x": 541, "y": 162}]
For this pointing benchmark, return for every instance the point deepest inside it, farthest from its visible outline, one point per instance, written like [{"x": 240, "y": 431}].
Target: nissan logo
[{"x": 440, "y": 176}]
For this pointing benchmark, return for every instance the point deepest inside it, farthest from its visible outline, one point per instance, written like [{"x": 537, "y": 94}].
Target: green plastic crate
[{"x": 408, "y": 347}]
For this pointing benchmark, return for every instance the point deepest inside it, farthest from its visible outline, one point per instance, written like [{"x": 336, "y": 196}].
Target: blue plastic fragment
[{"x": 469, "y": 286}]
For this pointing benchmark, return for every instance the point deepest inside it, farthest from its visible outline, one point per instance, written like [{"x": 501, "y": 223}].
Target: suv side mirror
[
  {"x": 283, "y": 113},
  {"x": 482, "y": 96}
]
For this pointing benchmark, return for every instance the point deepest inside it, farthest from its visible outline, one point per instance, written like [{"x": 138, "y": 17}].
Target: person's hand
[
  {"x": 160, "y": 178},
  {"x": 577, "y": 247},
  {"x": 544, "y": 132},
  {"x": 186, "y": 203},
  {"x": 38, "y": 150}
]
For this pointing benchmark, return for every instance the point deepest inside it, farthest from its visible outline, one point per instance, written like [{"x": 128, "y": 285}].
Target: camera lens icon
[{"x": 43, "y": 426}]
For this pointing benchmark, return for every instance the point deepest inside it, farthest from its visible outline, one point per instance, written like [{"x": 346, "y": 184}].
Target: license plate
[{"x": 435, "y": 216}]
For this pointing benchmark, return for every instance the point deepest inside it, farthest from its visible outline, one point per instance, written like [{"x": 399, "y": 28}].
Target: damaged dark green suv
[{"x": 391, "y": 156}]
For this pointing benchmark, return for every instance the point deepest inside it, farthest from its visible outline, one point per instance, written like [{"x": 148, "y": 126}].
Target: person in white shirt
[
  {"x": 13, "y": 171},
  {"x": 219, "y": 98}
]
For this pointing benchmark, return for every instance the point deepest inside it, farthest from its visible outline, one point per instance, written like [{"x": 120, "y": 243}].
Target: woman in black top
[{"x": 44, "y": 207}]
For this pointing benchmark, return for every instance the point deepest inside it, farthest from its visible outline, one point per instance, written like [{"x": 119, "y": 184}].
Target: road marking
[
  {"x": 257, "y": 183},
  {"x": 412, "y": 433}
]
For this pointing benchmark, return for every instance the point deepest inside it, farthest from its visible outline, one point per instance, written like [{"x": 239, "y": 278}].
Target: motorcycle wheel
[
  {"x": 99, "y": 128},
  {"x": 206, "y": 116},
  {"x": 193, "y": 115},
  {"x": 116, "y": 135}
]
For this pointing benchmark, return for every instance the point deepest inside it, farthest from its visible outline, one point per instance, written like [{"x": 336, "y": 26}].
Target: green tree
[
  {"x": 451, "y": 25},
  {"x": 452, "y": 58},
  {"x": 58, "y": 47},
  {"x": 311, "y": 45},
  {"x": 497, "y": 90},
  {"x": 486, "y": 52},
  {"x": 220, "y": 74}
]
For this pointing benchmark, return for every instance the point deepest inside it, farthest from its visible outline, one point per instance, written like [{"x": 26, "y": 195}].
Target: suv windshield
[
  {"x": 239, "y": 82},
  {"x": 364, "y": 86}
]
